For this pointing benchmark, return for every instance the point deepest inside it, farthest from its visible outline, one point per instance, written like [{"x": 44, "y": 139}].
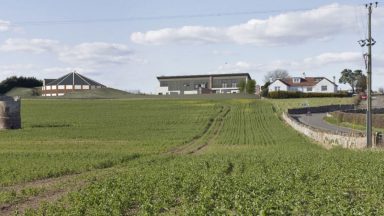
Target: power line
[{"x": 162, "y": 17}]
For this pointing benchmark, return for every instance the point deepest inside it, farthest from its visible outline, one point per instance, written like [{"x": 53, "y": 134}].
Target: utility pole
[{"x": 369, "y": 43}]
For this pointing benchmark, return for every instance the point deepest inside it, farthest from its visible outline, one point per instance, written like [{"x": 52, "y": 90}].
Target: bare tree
[{"x": 271, "y": 76}]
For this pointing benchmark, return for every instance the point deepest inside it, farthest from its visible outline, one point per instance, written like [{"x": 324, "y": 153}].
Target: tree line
[{"x": 14, "y": 81}]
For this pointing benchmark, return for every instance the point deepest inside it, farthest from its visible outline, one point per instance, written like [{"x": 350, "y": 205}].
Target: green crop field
[{"x": 179, "y": 157}]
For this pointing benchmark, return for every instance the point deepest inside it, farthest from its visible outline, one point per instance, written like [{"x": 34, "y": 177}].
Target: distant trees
[
  {"x": 251, "y": 87},
  {"x": 247, "y": 87},
  {"x": 265, "y": 89},
  {"x": 271, "y": 76},
  {"x": 14, "y": 81},
  {"x": 241, "y": 85},
  {"x": 356, "y": 79}
]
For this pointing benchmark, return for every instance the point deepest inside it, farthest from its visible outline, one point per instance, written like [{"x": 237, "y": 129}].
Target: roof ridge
[
  {"x": 81, "y": 77},
  {"x": 63, "y": 78}
]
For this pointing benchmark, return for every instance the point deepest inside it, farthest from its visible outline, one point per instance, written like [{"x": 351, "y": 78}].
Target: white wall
[
  {"x": 331, "y": 88},
  {"x": 190, "y": 92},
  {"x": 277, "y": 83}
]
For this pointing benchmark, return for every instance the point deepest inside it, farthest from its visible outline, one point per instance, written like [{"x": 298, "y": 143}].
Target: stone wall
[
  {"x": 328, "y": 139},
  {"x": 9, "y": 113}
]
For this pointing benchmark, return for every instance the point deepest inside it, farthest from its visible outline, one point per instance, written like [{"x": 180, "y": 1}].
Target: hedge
[{"x": 288, "y": 94}]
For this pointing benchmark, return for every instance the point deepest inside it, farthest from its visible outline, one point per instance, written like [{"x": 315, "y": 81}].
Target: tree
[
  {"x": 265, "y": 89},
  {"x": 361, "y": 84},
  {"x": 351, "y": 77},
  {"x": 251, "y": 87},
  {"x": 14, "y": 81},
  {"x": 271, "y": 76},
  {"x": 241, "y": 85}
]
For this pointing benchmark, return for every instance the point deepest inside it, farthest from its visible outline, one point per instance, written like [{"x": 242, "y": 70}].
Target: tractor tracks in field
[
  {"x": 53, "y": 189},
  {"x": 207, "y": 137}
]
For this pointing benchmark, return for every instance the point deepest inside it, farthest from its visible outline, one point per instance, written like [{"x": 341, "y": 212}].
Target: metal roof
[{"x": 74, "y": 79}]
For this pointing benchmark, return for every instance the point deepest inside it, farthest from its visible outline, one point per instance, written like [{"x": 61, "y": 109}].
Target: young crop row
[{"x": 263, "y": 168}]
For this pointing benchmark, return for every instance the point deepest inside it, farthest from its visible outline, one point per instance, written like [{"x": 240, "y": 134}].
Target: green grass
[
  {"x": 255, "y": 164},
  {"x": 21, "y": 92},
  {"x": 283, "y": 104},
  {"x": 360, "y": 127}
]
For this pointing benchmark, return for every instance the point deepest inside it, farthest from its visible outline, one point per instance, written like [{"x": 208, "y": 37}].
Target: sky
[{"x": 126, "y": 44}]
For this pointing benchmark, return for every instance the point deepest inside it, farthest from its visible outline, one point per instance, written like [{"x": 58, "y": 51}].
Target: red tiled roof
[{"x": 308, "y": 81}]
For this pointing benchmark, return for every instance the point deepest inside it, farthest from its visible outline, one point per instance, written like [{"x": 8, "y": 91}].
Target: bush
[
  {"x": 14, "y": 81},
  {"x": 287, "y": 94}
]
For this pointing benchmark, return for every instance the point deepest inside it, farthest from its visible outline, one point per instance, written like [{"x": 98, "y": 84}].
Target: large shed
[{"x": 68, "y": 83}]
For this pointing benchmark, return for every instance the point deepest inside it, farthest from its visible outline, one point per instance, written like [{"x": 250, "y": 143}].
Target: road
[{"x": 316, "y": 120}]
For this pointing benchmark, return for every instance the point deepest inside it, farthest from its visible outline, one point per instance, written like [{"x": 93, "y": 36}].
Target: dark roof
[
  {"x": 74, "y": 79},
  {"x": 204, "y": 75},
  {"x": 307, "y": 81},
  {"x": 46, "y": 81}
]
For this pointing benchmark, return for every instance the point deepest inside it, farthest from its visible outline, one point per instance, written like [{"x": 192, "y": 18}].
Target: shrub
[
  {"x": 14, "y": 81},
  {"x": 287, "y": 94}
]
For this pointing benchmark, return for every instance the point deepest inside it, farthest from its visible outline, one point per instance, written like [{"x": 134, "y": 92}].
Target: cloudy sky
[{"x": 127, "y": 43}]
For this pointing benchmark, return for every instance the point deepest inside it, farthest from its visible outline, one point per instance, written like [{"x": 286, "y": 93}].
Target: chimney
[{"x": 304, "y": 76}]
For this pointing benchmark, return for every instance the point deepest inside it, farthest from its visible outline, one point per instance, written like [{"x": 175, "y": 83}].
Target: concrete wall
[
  {"x": 328, "y": 139},
  {"x": 9, "y": 113}
]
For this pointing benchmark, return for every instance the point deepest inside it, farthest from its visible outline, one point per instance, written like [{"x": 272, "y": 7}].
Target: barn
[{"x": 68, "y": 83}]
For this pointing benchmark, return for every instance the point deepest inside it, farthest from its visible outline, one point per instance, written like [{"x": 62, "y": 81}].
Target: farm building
[
  {"x": 201, "y": 84},
  {"x": 304, "y": 84},
  {"x": 68, "y": 83}
]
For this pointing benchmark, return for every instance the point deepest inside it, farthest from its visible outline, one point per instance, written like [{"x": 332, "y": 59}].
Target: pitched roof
[
  {"x": 204, "y": 75},
  {"x": 307, "y": 81},
  {"x": 74, "y": 79}
]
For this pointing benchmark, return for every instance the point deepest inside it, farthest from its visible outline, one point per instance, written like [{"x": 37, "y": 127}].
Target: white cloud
[
  {"x": 185, "y": 34},
  {"x": 287, "y": 28},
  {"x": 5, "y": 25},
  {"x": 96, "y": 54},
  {"x": 306, "y": 64},
  {"x": 30, "y": 45}
]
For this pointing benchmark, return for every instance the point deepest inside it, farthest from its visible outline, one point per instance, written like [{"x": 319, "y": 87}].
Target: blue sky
[{"x": 122, "y": 43}]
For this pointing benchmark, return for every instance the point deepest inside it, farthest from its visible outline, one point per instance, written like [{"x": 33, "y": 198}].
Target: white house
[{"x": 304, "y": 84}]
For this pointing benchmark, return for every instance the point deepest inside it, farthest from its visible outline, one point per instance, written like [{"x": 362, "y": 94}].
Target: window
[
  {"x": 296, "y": 80},
  {"x": 234, "y": 85},
  {"x": 277, "y": 88},
  {"x": 224, "y": 85},
  {"x": 324, "y": 88},
  {"x": 309, "y": 89}
]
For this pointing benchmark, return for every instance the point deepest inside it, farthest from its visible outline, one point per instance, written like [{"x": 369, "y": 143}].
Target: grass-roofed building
[{"x": 68, "y": 83}]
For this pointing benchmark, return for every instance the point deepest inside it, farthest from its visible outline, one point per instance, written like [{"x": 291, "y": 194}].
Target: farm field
[{"x": 177, "y": 157}]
